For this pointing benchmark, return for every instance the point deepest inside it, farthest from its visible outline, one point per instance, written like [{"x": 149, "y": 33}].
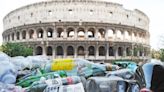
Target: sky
[{"x": 152, "y": 8}]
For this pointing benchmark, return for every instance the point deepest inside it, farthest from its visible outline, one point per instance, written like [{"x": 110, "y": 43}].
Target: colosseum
[{"x": 91, "y": 29}]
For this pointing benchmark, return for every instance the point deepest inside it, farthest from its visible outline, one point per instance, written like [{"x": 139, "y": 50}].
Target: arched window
[
  {"x": 40, "y": 33},
  {"x": 70, "y": 51},
  {"x": 24, "y": 34},
  {"x": 101, "y": 51},
  {"x": 39, "y": 51},
  {"x": 101, "y": 33},
  {"x": 119, "y": 34},
  {"x": 49, "y": 32},
  {"x": 81, "y": 51},
  {"x": 49, "y": 51},
  {"x": 70, "y": 32},
  {"x": 31, "y": 34},
  {"x": 91, "y": 33},
  {"x": 141, "y": 52},
  {"x": 111, "y": 33},
  {"x": 111, "y": 51},
  {"x": 12, "y": 36},
  {"x": 91, "y": 50},
  {"x": 120, "y": 51},
  {"x": 59, "y": 50},
  {"x": 135, "y": 51},
  {"x": 128, "y": 53},
  {"x": 127, "y": 35},
  {"x": 60, "y": 32},
  {"x": 81, "y": 33},
  {"x": 18, "y": 35}
]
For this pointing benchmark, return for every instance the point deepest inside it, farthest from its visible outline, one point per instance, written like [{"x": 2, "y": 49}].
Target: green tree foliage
[
  {"x": 162, "y": 54},
  {"x": 15, "y": 49}
]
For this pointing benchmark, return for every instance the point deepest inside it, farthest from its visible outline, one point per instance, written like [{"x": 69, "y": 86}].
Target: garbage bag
[
  {"x": 10, "y": 88},
  {"x": 4, "y": 57},
  {"x": 8, "y": 73},
  {"x": 21, "y": 63},
  {"x": 123, "y": 73},
  {"x": 72, "y": 88},
  {"x": 38, "y": 61},
  {"x": 111, "y": 84}
]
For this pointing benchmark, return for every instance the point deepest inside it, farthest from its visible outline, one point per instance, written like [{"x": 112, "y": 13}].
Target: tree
[
  {"x": 162, "y": 54},
  {"x": 15, "y": 49}
]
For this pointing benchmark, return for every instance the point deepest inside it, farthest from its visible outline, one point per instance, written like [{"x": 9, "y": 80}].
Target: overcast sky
[{"x": 152, "y": 8}]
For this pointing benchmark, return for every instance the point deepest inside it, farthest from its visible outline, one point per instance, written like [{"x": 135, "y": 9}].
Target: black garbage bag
[
  {"x": 111, "y": 84},
  {"x": 123, "y": 73}
]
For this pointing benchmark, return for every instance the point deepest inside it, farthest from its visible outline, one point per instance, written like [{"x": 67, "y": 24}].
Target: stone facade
[{"x": 90, "y": 29}]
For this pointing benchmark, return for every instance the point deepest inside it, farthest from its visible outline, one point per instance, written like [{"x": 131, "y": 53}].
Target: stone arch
[
  {"x": 8, "y": 37},
  {"x": 49, "y": 51},
  {"x": 60, "y": 32},
  {"x": 127, "y": 35},
  {"x": 50, "y": 32},
  {"x": 70, "y": 32},
  {"x": 12, "y": 36},
  {"x": 31, "y": 33},
  {"x": 39, "y": 50},
  {"x": 91, "y": 33},
  {"x": 70, "y": 51},
  {"x": 80, "y": 51},
  {"x": 119, "y": 34},
  {"x": 120, "y": 51},
  {"x": 111, "y": 51},
  {"x": 101, "y": 51},
  {"x": 135, "y": 51},
  {"x": 18, "y": 35},
  {"x": 81, "y": 33},
  {"x": 24, "y": 34},
  {"x": 59, "y": 50},
  {"x": 91, "y": 51},
  {"x": 101, "y": 33},
  {"x": 111, "y": 33},
  {"x": 128, "y": 51},
  {"x": 40, "y": 33}
]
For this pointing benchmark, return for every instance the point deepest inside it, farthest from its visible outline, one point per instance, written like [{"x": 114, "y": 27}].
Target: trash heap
[{"x": 41, "y": 74}]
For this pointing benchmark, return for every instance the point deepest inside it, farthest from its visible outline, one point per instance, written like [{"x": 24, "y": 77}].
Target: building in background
[{"x": 91, "y": 29}]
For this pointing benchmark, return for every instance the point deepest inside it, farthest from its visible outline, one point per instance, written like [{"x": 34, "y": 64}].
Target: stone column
[
  {"x": 27, "y": 35},
  {"x": 106, "y": 34},
  {"x": 97, "y": 51},
  {"x": 75, "y": 53},
  {"x": 44, "y": 50},
  {"x": 54, "y": 33},
  {"x": 124, "y": 51},
  {"x": 86, "y": 51},
  {"x": 44, "y": 33},
  {"x": 124, "y": 38},
  {"x": 75, "y": 31},
  {"x": 35, "y": 35},
  {"x": 54, "y": 51},
  {"x": 65, "y": 33},
  {"x": 65, "y": 51},
  {"x": 107, "y": 50},
  {"x": 116, "y": 34},
  {"x": 116, "y": 51},
  {"x": 86, "y": 33},
  {"x": 20, "y": 35},
  {"x": 96, "y": 33}
]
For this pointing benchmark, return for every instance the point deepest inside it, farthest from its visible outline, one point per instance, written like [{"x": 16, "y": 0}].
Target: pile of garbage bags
[{"x": 41, "y": 74}]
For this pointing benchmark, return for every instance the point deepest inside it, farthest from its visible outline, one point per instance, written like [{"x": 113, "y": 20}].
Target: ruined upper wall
[{"x": 75, "y": 11}]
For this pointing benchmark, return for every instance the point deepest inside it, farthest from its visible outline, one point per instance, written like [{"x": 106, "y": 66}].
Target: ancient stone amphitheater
[{"x": 90, "y": 29}]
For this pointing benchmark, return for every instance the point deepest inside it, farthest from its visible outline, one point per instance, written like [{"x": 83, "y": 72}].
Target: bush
[{"x": 15, "y": 49}]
